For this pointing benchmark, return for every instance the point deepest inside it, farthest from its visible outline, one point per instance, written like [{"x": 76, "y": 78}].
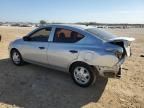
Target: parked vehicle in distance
[{"x": 83, "y": 51}]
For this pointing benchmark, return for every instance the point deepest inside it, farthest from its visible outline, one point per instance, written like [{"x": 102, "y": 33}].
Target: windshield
[{"x": 101, "y": 34}]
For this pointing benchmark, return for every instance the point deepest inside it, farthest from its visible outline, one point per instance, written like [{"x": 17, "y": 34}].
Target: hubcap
[
  {"x": 81, "y": 75},
  {"x": 16, "y": 57}
]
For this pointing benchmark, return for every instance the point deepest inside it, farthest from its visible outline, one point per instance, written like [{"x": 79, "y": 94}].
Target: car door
[
  {"x": 64, "y": 48},
  {"x": 36, "y": 46}
]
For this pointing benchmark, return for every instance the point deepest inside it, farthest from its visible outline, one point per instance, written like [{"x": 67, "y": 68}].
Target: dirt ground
[{"x": 32, "y": 86}]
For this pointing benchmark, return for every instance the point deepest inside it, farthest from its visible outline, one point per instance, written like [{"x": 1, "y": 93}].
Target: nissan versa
[{"x": 83, "y": 51}]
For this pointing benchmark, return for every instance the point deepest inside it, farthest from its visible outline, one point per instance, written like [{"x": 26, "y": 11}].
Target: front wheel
[
  {"x": 83, "y": 75},
  {"x": 16, "y": 57}
]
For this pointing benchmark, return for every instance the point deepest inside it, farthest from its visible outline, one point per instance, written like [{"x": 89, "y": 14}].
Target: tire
[
  {"x": 83, "y": 75},
  {"x": 16, "y": 57}
]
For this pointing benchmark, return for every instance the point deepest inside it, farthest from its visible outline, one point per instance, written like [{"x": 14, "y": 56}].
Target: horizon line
[{"x": 66, "y": 22}]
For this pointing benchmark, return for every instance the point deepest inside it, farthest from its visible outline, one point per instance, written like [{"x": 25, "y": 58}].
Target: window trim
[{"x": 69, "y": 30}]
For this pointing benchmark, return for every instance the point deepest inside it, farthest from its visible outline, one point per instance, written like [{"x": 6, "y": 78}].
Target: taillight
[{"x": 118, "y": 54}]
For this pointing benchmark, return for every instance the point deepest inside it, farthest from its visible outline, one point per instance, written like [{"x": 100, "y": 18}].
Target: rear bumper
[{"x": 111, "y": 72}]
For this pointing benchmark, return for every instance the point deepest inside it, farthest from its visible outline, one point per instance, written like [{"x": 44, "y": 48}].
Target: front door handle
[
  {"x": 73, "y": 51},
  {"x": 41, "y": 48}
]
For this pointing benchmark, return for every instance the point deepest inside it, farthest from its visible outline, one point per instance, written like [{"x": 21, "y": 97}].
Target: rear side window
[
  {"x": 101, "y": 34},
  {"x": 67, "y": 36}
]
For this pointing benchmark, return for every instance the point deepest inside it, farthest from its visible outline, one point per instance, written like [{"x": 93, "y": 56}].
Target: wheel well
[
  {"x": 13, "y": 50},
  {"x": 79, "y": 62}
]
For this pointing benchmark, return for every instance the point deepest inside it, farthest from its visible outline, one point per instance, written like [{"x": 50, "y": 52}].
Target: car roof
[{"x": 76, "y": 26}]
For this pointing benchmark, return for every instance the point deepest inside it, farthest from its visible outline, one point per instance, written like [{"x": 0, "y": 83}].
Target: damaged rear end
[
  {"x": 125, "y": 44},
  {"x": 116, "y": 50}
]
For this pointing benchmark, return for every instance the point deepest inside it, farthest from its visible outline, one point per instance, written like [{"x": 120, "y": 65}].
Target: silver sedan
[{"x": 83, "y": 51}]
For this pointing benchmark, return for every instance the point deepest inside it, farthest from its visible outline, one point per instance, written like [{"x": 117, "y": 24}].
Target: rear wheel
[
  {"x": 83, "y": 75},
  {"x": 16, "y": 57}
]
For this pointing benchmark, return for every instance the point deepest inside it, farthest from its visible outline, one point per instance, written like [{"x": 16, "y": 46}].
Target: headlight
[{"x": 9, "y": 47}]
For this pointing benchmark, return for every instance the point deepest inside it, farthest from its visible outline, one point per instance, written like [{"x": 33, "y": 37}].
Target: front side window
[
  {"x": 66, "y": 36},
  {"x": 41, "y": 35}
]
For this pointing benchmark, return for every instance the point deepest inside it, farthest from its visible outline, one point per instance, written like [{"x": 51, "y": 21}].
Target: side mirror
[{"x": 26, "y": 38}]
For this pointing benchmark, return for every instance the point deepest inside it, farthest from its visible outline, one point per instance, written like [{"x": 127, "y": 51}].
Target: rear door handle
[
  {"x": 73, "y": 51},
  {"x": 41, "y": 48}
]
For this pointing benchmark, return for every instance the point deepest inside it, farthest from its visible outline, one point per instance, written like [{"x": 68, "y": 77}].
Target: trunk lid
[
  {"x": 124, "y": 42},
  {"x": 130, "y": 39}
]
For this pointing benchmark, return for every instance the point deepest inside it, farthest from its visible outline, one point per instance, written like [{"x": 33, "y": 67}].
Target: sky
[{"x": 100, "y": 11}]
